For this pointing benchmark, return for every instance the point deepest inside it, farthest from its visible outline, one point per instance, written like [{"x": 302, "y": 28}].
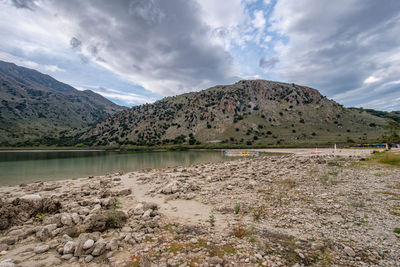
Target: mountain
[
  {"x": 392, "y": 115},
  {"x": 33, "y": 105},
  {"x": 247, "y": 112}
]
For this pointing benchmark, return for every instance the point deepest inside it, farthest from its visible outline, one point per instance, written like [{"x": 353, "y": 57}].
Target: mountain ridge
[
  {"x": 34, "y": 105},
  {"x": 247, "y": 112}
]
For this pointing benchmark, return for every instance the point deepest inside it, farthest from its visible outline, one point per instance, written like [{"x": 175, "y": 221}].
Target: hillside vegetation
[
  {"x": 249, "y": 112},
  {"x": 34, "y": 105}
]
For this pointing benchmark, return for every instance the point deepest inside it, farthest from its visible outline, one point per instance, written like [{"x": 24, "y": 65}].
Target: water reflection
[{"x": 26, "y": 167}]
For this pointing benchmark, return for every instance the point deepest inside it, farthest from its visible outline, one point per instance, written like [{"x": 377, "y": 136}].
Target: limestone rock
[
  {"x": 88, "y": 244},
  {"x": 41, "y": 249}
]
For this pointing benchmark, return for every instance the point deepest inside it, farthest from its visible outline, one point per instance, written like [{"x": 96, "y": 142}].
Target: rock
[
  {"x": 113, "y": 245},
  {"x": 171, "y": 188},
  {"x": 52, "y": 219},
  {"x": 145, "y": 262},
  {"x": 126, "y": 229},
  {"x": 88, "y": 258},
  {"x": 129, "y": 239},
  {"x": 67, "y": 256},
  {"x": 99, "y": 247},
  {"x": 349, "y": 251},
  {"x": 3, "y": 247},
  {"x": 75, "y": 218},
  {"x": 150, "y": 206},
  {"x": 84, "y": 211},
  {"x": 103, "y": 220},
  {"x": 69, "y": 247},
  {"x": 124, "y": 192},
  {"x": 138, "y": 210},
  {"x": 41, "y": 249},
  {"x": 16, "y": 233},
  {"x": 32, "y": 197},
  {"x": 88, "y": 244},
  {"x": 229, "y": 187},
  {"x": 147, "y": 214},
  {"x": 66, "y": 219},
  {"x": 193, "y": 241},
  {"x": 216, "y": 260},
  {"x": 8, "y": 240},
  {"x": 258, "y": 256}
]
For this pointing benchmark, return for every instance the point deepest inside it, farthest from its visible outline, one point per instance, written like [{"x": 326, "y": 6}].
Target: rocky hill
[
  {"x": 33, "y": 105},
  {"x": 247, "y": 112}
]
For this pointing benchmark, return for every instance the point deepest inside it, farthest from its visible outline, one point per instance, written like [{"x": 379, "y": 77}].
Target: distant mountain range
[
  {"x": 247, "y": 112},
  {"x": 34, "y": 105},
  {"x": 37, "y": 109}
]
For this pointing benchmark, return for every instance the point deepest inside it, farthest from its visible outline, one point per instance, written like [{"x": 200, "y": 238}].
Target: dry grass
[{"x": 390, "y": 158}]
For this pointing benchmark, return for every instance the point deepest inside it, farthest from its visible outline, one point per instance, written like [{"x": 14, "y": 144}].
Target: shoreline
[{"x": 286, "y": 210}]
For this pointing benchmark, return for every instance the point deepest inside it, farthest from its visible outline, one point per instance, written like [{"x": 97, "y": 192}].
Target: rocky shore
[{"x": 291, "y": 210}]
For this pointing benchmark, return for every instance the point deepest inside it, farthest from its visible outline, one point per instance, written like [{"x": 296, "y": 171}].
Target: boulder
[
  {"x": 88, "y": 258},
  {"x": 52, "y": 219},
  {"x": 88, "y": 244},
  {"x": 113, "y": 244},
  {"x": 67, "y": 256},
  {"x": 99, "y": 247},
  {"x": 124, "y": 192},
  {"x": 171, "y": 188},
  {"x": 150, "y": 206},
  {"x": 75, "y": 218},
  {"x": 41, "y": 249},
  {"x": 139, "y": 209},
  {"x": 66, "y": 219},
  {"x": 69, "y": 247}
]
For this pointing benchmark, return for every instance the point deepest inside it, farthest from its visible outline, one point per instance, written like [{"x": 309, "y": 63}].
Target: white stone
[
  {"x": 66, "y": 219},
  {"x": 88, "y": 244},
  {"x": 69, "y": 247},
  {"x": 41, "y": 249},
  {"x": 32, "y": 197}
]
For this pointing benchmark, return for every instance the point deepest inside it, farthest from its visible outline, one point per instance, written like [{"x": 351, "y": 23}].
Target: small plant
[
  {"x": 397, "y": 231},
  {"x": 211, "y": 219},
  {"x": 258, "y": 213},
  {"x": 240, "y": 231},
  {"x": 237, "y": 208},
  {"x": 41, "y": 216},
  {"x": 114, "y": 215}
]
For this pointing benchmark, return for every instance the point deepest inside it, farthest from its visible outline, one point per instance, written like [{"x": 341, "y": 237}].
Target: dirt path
[{"x": 183, "y": 211}]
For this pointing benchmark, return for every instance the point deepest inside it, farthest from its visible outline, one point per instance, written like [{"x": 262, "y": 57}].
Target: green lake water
[{"x": 28, "y": 167}]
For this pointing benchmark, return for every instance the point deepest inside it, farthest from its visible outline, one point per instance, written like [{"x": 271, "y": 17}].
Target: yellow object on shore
[{"x": 241, "y": 153}]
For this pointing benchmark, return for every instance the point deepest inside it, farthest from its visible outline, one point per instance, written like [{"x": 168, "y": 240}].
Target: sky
[{"x": 138, "y": 51}]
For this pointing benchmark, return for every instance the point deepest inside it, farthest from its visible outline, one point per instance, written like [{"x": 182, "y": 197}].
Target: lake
[{"x": 28, "y": 167}]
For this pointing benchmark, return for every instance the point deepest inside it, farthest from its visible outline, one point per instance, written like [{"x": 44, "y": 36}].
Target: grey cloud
[
  {"x": 162, "y": 45},
  {"x": 335, "y": 46},
  {"x": 268, "y": 63},
  {"x": 29, "y": 4},
  {"x": 75, "y": 43}
]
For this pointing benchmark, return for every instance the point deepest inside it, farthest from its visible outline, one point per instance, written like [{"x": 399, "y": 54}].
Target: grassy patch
[
  {"x": 397, "y": 231},
  {"x": 390, "y": 158}
]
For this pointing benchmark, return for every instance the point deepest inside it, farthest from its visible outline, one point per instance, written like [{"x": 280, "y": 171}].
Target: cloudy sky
[{"x": 137, "y": 51}]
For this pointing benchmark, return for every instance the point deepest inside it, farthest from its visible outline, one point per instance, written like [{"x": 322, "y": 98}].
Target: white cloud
[
  {"x": 371, "y": 79},
  {"x": 53, "y": 68},
  {"x": 259, "y": 19},
  {"x": 334, "y": 46}
]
